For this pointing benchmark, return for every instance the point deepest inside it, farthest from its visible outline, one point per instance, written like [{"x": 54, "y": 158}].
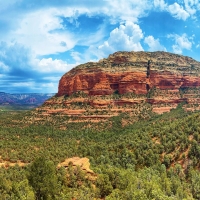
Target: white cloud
[
  {"x": 125, "y": 38},
  {"x": 192, "y": 6},
  {"x": 92, "y": 38},
  {"x": 4, "y": 68},
  {"x": 154, "y": 44},
  {"x": 52, "y": 87},
  {"x": 182, "y": 9},
  {"x": 48, "y": 65},
  {"x": 181, "y": 42},
  {"x": 38, "y": 29},
  {"x": 23, "y": 84},
  {"x": 128, "y": 10},
  {"x": 76, "y": 56},
  {"x": 178, "y": 12},
  {"x": 160, "y": 4},
  {"x": 15, "y": 59},
  {"x": 42, "y": 31}
]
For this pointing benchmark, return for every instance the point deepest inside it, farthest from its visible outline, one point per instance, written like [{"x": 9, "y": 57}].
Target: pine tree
[{"x": 43, "y": 178}]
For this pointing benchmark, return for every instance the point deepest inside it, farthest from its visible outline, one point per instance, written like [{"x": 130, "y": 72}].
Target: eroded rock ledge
[
  {"x": 135, "y": 72},
  {"x": 134, "y": 83}
]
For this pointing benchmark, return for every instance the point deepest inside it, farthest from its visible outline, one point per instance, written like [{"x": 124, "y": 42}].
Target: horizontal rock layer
[
  {"x": 136, "y": 84},
  {"x": 135, "y": 72}
]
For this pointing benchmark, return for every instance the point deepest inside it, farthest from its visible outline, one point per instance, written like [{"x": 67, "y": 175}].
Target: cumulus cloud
[
  {"x": 48, "y": 65},
  {"x": 128, "y": 10},
  {"x": 192, "y": 6},
  {"x": 181, "y": 42},
  {"x": 40, "y": 28},
  {"x": 154, "y": 44},
  {"x": 42, "y": 31},
  {"x": 178, "y": 12},
  {"x": 15, "y": 66},
  {"x": 15, "y": 59},
  {"x": 20, "y": 71},
  {"x": 160, "y": 4},
  {"x": 125, "y": 38}
]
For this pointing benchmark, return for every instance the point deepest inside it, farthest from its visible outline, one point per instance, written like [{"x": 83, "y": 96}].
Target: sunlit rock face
[
  {"x": 135, "y": 72},
  {"x": 133, "y": 85}
]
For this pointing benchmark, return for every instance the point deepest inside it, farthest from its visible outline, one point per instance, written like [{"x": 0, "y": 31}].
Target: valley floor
[{"x": 156, "y": 158}]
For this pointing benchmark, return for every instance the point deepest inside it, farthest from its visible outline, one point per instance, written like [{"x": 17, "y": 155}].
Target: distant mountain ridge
[{"x": 24, "y": 99}]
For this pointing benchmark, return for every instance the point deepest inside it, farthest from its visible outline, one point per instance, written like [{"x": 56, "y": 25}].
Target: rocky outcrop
[
  {"x": 135, "y": 72},
  {"x": 82, "y": 163},
  {"x": 133, "y": 83}
]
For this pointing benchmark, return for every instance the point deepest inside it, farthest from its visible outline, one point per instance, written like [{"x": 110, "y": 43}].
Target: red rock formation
[
  {"x": 105, "y": 83},
  {"x": 127, "y": 72},
  {"x": 131, "y": 82}
]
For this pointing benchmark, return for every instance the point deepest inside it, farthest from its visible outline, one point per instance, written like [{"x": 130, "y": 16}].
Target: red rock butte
[
  {"x": 132, "y": 84},
  {"x": 136, "y": 72}
]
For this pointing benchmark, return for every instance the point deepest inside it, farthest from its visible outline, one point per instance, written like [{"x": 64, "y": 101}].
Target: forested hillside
[{"x": 154, "y": 159}]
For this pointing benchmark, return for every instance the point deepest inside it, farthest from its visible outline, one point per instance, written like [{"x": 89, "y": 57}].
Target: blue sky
[{"x": 40, "y": 40}]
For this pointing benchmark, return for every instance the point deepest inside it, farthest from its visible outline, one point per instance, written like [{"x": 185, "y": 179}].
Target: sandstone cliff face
[
  {"x": 128, "y": 72},
  {"x": 129, "y": 83}
]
